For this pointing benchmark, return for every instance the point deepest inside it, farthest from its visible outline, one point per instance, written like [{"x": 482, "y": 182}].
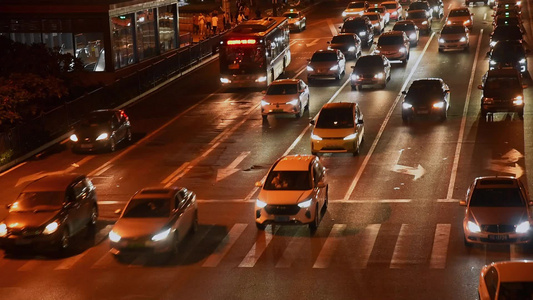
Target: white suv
[{"x": 295, "y": 192}]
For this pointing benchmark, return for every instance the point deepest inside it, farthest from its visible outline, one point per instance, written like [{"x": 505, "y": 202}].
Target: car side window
[
  {"x": 318, "y": 173},
  {"x": 80, "y": 190},
  {"x": 491, "y": 281},
  {"x": 181, "y": 196}
]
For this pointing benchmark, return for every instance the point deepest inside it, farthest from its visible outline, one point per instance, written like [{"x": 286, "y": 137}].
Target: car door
[
  {"x": 185, "y": 212},
  {"x": 342, "y": 61},
  {"x": 304, "y": 95},
  {"x": 120, "y": 126},
  {"x": 358, "y": 117},
  {"x": 318, "y": 176},
  {"x": 75, "y": 208},
  {"x": 386, "y": 67}
]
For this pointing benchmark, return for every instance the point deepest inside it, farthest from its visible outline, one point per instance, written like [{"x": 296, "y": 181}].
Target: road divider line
[
  {"x": 69, "y": 262},
  {"x": 385, "y": 122},
  {"x": 368, "y": 241},
  {"x": 332, "y": 27},
  {"x": 12, "y": 169},
  {"x": 169, "y": 177},
  {"x": 328, "y": 249},
  {"x": 102, "y": 171},
  {"x": 401, "y": 249},
  {"x": 457, "y": 154},
  {"x": 30, "y": 265},
  {"x": 440, "y": 246},
  {"x": 223, "y": 248},
  {"x": 263, "y": 239}
]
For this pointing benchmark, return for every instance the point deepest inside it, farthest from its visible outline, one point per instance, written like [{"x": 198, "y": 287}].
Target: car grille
[
  {"x": 282, "y": 209},
  {"x": 451, "y": 41},
  {"x": 367, "y": 76},
  {"x": 24, "y": 232},
  {"x": 498, "y": 228},
  {"x": 332, "y": 138}
]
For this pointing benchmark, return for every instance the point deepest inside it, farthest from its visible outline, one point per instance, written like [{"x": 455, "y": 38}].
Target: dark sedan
[
  {"x": 348, "y": 43},
  {"x": 101, "y": 129},
  {"x": 370, "y": 70},
  {"x": 48, "y": 212},
  {"x": 426, "y": 97}
]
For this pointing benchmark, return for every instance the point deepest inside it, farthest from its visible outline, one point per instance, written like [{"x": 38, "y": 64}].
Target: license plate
[
  {"x": 281, "y": 218},
  {"x": 498, "y": 237},
  {"x": 22, "y": 242},
  {"x": 86, "y": 145},
  {"x": 277, "y": 110},
  {"x": 422, "y": 111},
  {"x": 136, "y": 245}
]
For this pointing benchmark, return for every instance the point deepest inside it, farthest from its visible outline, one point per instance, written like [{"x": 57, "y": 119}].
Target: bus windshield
[{"x": 242, "y": 60}]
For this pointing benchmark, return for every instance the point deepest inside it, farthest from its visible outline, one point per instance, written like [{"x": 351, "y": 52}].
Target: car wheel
[
  {"x": 260, "y": 226},
  {"x": 129, "y": 136},
  {"x": 265, "y": 117},
  {"x": 64, "y": 240},
  {"x": 112, "y": 145},
  {"x": 313, "y": 226},
  {"x": 94, "y": 216}
]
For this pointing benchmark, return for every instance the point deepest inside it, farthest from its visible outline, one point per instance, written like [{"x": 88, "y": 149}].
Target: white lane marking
[
  {"x": 214, "y": 259},
  {"x": 12, "y": 169},
  {"x": 449, "y": 200},
  {"x": 147, "y": 137},
  {"x": 30, "y": 265},
  {"x": 103, "y": 170},
  {"x": 297, "y": 140},
  {"x": 440, "y": 246},
  {"x": 484, "y": 16},
  {"x": 293, "y": 249},
  {"x": 332, "y": 28},
  {"x": 104, "y": 261},
  {"x": 455, "y": 165},
  {"x": 213, "y": 144},
  {"x": 109, "y": 202},
  {"x": 400, "y": 256},
  {"x": 69, "y": 262},
  {"x": 198, "y": 237},
  {"x": 300, "y": 72},
  {"x": 263, "y": 239},
  {"x": 368, "y": 240},
  {"x": 79, "y": 163},
  {"x": 169, "y": 177},
  {"x": 231, "y": 169},
  {"x": 328, "y": 249},
  {"x": 385, "y": 122}
]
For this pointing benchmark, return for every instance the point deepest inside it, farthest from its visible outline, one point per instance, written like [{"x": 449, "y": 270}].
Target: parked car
[
  {"x": 370, "y": 70},
  {"x": 101, "y": 129},
  {"x": 295, "y": 192},
  {"x": 49, "y": 212},
  {"x": 155, "y": 220}
]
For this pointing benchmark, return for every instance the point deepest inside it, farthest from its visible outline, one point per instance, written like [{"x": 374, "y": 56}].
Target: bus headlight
[{"x": 224, "y": 80}]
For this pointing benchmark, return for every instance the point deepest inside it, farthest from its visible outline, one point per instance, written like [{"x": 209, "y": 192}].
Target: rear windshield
[
  {"x": 403, "y": 27},
  {"x": 338, "y": 117},
  {"x": 147, "y": 208},
  {"x": 417, "y": 15},
  {"x": 356, "y": 5},
  {"x": 324, "y": 56},
  {"x": 288, "y": 180},
  {"x": 452, "y": 30},
  {"x": 369, "y": 61},
  {"x": 282, "y": 89},
  {"x": 390, "y": 40},
  {"x": 497, "y": 197},
  {"x": 502, "y": 83},
  {"x": 291, "y": 15},
  {"x": 459, "y": 13},
  {"x": 340, "y": 39}
]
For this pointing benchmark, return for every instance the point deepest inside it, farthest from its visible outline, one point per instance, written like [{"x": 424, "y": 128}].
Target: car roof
[
  {"x": 285, "y": 81},
  {"x": 326, "y": 51},
  {"x": 294, "y": 163},
  {"x": 156, "y": 192},
  {"x": 491, "y": 182},
  {"x": 460, "y": 8},
  {"x": 392, "y": 33},
  {"x": 410, "y": 22},
  {"x": 514, "y": 271},
  {"x": 366, "y": 13},
  {"x": 371, "y": 56},
  {"x": 389, "y": 2},
  {"x": 503, "y": 71},
  {"x": 54, "y": 182}
]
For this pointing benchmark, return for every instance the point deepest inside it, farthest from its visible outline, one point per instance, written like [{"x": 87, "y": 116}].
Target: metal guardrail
[{"x": 31, "y": 135}]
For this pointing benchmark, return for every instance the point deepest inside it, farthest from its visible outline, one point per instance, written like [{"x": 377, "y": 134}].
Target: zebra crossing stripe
[
  {"x": 258, "y": 248},
  {"x": 328, "y": 249},
  {"x": 440, "y": 246},
  {"x": 214, "y": 259},
  {"x": 105, "y": 260},
  {"x": 399, "y": 256},
  {"x": 69, "y": 262},
  {"x": 514, "y": 252},
  {"x": 293, "y": 249},
  {"x": 368, "y": 240},
  {"x": 30, "y": 265}
]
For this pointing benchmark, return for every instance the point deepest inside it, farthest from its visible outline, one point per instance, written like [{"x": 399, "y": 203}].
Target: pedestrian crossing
[{"x": 393, "y": 246}]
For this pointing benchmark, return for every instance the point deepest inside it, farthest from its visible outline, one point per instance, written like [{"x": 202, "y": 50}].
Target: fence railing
[{"x": 24, "y": 138}]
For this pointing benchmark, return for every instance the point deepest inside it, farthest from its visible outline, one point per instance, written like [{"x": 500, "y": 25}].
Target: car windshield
[
  {"x": 459, "y": 13},
  {"x": 282, "y": 89},
  {"x": 147, "y": 208},
  {"x": 390, "y": 6},
  {"x": 38, "y": 201},
  {"x": 520, "y": 290},
  {"x": 417, "y": 15},
  {"x": 291, "y": 15},
  {"x": 288, "y": 180},
  {"x": 324, "y": 56},
  {"x": 387, "y": 40},
  {"x": 497, "y": 197},
  {"x": 373, "y": 17},
  {"x": 452, "y": 30},
  {"x": 424, "y": 91},
  {"x": 507, "y": 50},
  {"x": 342, "y": 39},
  {"x": 356, "y": 5},
  {"x": 95, "y": 119},
  {"x": 354, "y": 26},
  {"x": 337, "y": 117},
  {"x": 502, "y": 83},
  {"x": 369, "y": 61},
  {"x": 403, "y": 27}
]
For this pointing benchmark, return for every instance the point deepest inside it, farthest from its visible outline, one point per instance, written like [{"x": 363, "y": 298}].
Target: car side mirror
[
  {"x": 321, "y": 184},
  {"x": 404, "y": 92},
  {"x": 328, "y": 42},
  {"x": 360, "y": 122},
  {"x": 258, "y": 184},
  {"x": 480, "y": 87},
  {"x": 312, "y": 122},
  {"x": 353, "y": 67},
  {"x": 118, "y": 211},
  {"x": 462, "y": 202}
]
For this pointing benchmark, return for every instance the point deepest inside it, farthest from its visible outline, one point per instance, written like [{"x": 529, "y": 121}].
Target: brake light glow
[{"x": 242, "y": 42}]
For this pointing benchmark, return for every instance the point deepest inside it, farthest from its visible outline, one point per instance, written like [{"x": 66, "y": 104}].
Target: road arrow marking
[
  {"x": 510, "y": 157},
  {"x": 313, "y": 42},
  {"x": 417, "y": 172},
  {"x": 231, "y": 168},
  {"x": 502, "y": 165}
]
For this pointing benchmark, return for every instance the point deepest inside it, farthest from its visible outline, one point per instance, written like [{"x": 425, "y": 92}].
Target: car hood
[
  {"x": 292, "y": 21},
  {"x": 30, "y": 219},
  {"x": 284, "y": 197},
  {"x": 139, "y": 227},
  {"x": 368, "y": 70},
  {"x": 322, "y": 64},
  {"x": 459, "y": 19},
  {"x": 352, "y": 10},
  {"x": 498, "y": 215},
  {"x": 452, "y": 36},
  {"x": 333, "y": 132},
  {"x": 389, "y": 48},
  {"x": 91, "y": 132},
  {"x": 282, "y": 99},
  {"x": 341, "y": 46}
]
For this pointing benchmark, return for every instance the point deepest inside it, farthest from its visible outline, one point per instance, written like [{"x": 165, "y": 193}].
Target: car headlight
[
  {"x": 436, "y": 8},
  {"x": 334, "y": 68},
  {"x": 297, "y": 23},
  {"x": 354, "y": 77},
  {"x": 260, "y": 203},
  {"x": 261, "y": 79},
  {"x": 263, "y": 103},
  {"x": 351, "y": 49},
  {"x": 425, "y": 23},
  {"x": 522, "y": 61},
  {"x": 3, "y": 229},
  {"x": 306, "y": 203},
  {"x": 518, "y": 3},
  {"x": 344, "y": 14},
  {"x": 442, "y": 41},
  {"x": 51, "y": 228},
  {"x": 522, "y": 227},
  {"x": 310, "y": 69},
  {"x": 379, "y": 75},
  {"x": 74, "y": 138},
  {"x": 492, "y": 43},
  {"x": 438, "y": 104},
  {"x": 488, "y": 100},
  {"x": 329, "y": 48},
  {"x": 377, "y": 51},
  {"x": 161, "y": 236},
  {"x": 406, "y": 105},
  {"x": 412, "y": 36},
  {"x": 473, "y": 227},
  {"x": 114, "y": 237},
  {"x": 402, "y": 50},
  {"x": 362, "y": 33},
  {"x": 394, "y": 13},
  {"x": 466, "y": 22},
  {"x": 492, "y": 62},
  {"x": 463, "y": 39},
  {"x": 224, "y": 80},
  {"x": 292, "y": 102},
  {"x": 315, "y": 137},
  {"x": 350, "y": 137},
  {"x": 518, "y": 100},
  {"x": 102, "y": 136}
]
